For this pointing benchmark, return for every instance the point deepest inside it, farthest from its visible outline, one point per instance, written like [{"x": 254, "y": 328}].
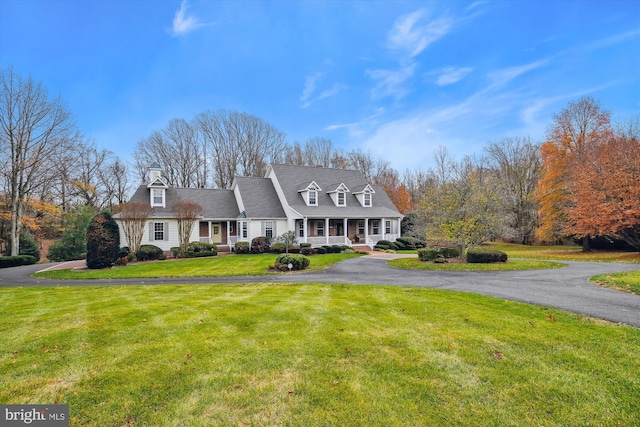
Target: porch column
[
  {"x": 229, "y": 234},
  {"x": 384, "y": 228},
  {"x": 345, "y": 238},
  {"x": 366, "y": 230},
  {"x": 326, "y": 230},
  {"x": 305, "y": 229}
]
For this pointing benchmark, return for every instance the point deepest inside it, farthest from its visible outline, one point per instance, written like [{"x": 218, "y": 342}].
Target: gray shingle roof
[
  {"x": 259, "y": 197},
  {"x": 290, "y": 177},
  {"x": 215, "y": 203}
]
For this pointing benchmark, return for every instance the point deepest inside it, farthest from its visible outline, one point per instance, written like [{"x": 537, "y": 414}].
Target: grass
[
  {"x": 312, "y": 354},
  {"x": 628, "y": 282},
  {"x": 416, "y": 264},
  {"x": 563, "y": 253},
  {"x": 228, "y": 265}
]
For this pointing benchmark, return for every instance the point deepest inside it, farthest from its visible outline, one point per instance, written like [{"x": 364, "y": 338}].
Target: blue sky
[{"x": 395, "y": 78}]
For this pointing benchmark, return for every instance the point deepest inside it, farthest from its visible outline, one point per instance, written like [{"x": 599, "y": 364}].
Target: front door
[{"x": 216, "y": 233}]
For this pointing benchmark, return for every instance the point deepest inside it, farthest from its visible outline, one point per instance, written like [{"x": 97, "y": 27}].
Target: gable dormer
[
  {"x": 364, "y": 194},
  {"x": 338, "y": 193},
  {"x": 309, "y": 192},
  {"x": 157, "y": 187}
]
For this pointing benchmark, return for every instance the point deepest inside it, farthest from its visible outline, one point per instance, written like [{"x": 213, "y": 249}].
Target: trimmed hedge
[
  {"x": 308, "y": 250},
  {"x": 429, "y": 254},
  {"x": 485, "y": 256},
  {"x": 149, "y": 252},
  {"x": 17, "y": 260},
  {"x": 411, "y": 242},
  {"x": 385, "y": 244},
  {"x": 299, "y": 262}
]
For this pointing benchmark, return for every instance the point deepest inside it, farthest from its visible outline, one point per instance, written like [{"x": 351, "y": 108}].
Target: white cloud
[
  {"x": 411, "y": 38},
  {"x": 504, "y": 76},
  {"x": 391, "y": 82},
  {"x": 182, "y": 24},
  {"x": 310, "y": 85},
  {"x": 452, "y": 75},
  {"x": 337, "y": 87}
]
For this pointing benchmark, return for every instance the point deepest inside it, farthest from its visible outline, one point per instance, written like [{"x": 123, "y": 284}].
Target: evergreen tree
[{"x": 103, "y": 241}]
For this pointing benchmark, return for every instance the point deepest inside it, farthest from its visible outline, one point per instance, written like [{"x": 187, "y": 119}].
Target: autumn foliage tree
[
  {"x": 605, "y": 191},
  {"x": 186, "y": 213},
  {"x": 577, "y": 128}
]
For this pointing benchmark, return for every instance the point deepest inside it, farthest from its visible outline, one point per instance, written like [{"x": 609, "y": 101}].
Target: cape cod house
[{"x": 323, "y": 206}]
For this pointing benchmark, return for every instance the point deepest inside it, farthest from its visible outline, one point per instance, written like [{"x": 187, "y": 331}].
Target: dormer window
[
  {"x": 364, "y": 195},
  {"x": 309, "y": 192},
  {"x": 157, "y": 187},
  {"x": 338, "y": 193},
  {"x": 158, "y": 197}
]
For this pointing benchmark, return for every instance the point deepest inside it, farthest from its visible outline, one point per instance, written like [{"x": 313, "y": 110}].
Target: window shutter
[
  {"x": 166, "y": 231},
  {"x": 151, "y": 229}
]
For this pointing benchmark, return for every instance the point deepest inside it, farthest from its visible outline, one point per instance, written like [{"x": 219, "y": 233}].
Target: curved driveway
[{"x": 566, "y": 288}]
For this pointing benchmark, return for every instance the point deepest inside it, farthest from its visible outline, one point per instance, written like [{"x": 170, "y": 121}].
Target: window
[
  {"x": 158, "y": 231},
  {"x": 341, "y": 198},
  {"x": 268, "y": 229},
  {"x": 361, "y": 226},
  {"x": 320, "y": 228},
  {"x": 301, "y": 228},
  {"x": 387, "y": 227},
  {"x": 367, "y": 199},
  {"x": 158, "y": 196},
  {"x": 313, "y": 198},
  {"x": 242, "y": 230},
  {"x": 375, "y": 225}
]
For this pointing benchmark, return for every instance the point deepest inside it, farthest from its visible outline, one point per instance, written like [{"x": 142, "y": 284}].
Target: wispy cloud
[
  {"x": 409, "y": 36},
  {"x": 183, "y": 23},
  {"x": 505, "y": 75},
  {"x": 310, "y": 85},
  {"x": 391, "y": 83},
  {"x": 450, "y": 75}
]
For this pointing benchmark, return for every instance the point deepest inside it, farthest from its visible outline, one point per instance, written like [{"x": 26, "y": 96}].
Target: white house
[{"x": 323, "y": 206}]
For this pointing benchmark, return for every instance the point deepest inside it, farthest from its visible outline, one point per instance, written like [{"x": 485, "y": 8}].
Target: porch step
[{"x": 361, "y": 248}]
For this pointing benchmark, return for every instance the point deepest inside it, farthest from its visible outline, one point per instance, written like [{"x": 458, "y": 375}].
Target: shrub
[
  {"x": 242, "y": 247},
  {"x": 328, "y": 248},
  {"x": 411, "y": 242},
  {"x": 449, "y": 252},
  {"x": 149, "y": 252},
  {"x": 299, "y": 262},
  {"x": 260, "y": 245},
  {"x": 175, "y": 251},
  {"x": 308, "y": 250},
  {"x": 321, "y": 250},
  {"x": 428, "y": 254},
  {"x": 17, "y": 260},
  {"x": 202, "y": 247},
  {"x": 103, "y": 241},
  {"x": 27, "y": 246},
  {"x": 485, "y": 256},
  {"x": 279, "y": 248},
  {"x": 400, "y": 245},
  {"x": 384, "y": 245},
  {"x": 337, "y": 249},
  {"x": 305, "y": 245},
  {"x": 73, "y": 244}
]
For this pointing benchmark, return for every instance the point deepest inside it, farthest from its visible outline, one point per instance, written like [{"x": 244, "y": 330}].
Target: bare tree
[
  {"x": 318, "y": 152},
  {"x": 516, "y": 164},
  {"x": 186, "y": 213},
  {"x": 133, "y": 217},
  {"x": 32, "y": 128}
]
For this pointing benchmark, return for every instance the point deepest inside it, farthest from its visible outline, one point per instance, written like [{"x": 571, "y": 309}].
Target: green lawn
[
  {"x": 563, "y": 253},
  {"x": 219, "y": 266},
  {"x": 416, "y": 264},
  {"x": 628, "y": 282},
  {"x": 312, "y": 354}
]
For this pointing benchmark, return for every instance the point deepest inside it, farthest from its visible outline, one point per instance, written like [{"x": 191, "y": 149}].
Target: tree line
[{"x": 515, "y": 189}]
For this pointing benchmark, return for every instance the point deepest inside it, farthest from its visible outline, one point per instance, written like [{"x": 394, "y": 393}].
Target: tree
[
  {"x": 515, "y": 162},
  {"x": 576, "y": 128},
  {"x": 186, "y": 213},
  {"x": 73, "y": 244},
  {"x": 464, "y": 210},
  {"x": 32, "y": 129},
  {"x": 103, "y": 241},
  {"x": 133, "y": 217},
  {"x": 389, "y": 180},
  {"x": 608, "y": 183}
]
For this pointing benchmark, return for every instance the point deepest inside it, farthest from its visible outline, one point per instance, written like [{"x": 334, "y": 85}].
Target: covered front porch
[{"x": 347, "y": 231}]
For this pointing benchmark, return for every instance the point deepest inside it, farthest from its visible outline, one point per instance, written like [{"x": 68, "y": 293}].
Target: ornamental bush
[
  {"x": 149, "y": 252},
  {"x": 260, "y": 245},
  {"x": 428, "y": 254},
  {"x": 299, "y": 262},
  {"x": 411, "y": 242},
  {"x": 485, "y": 256},
  {"x": 384, "y": 245},
  {"x": 103, "y": 241},
  {"x": 242, "y": 247}
]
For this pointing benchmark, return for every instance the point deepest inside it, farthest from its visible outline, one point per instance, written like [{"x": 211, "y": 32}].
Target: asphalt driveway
[{"x": 566, "y": 288}]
